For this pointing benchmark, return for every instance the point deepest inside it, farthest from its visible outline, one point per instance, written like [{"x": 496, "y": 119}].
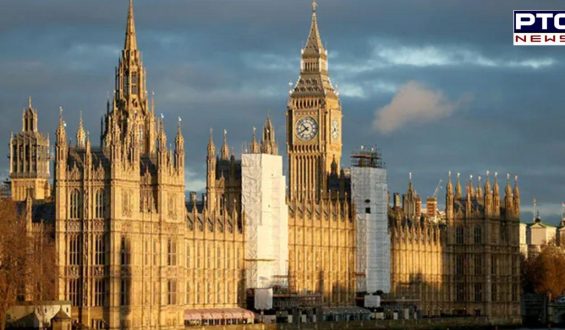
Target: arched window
[
  {"x": 459, "y": 238},
  {"x": 99, "y": 204},
  {"x": 478, "y": 234},
  {"x": 75, "y": 205}
]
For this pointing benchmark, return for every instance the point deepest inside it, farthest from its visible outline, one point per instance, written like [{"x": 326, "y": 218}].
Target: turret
[
  {"x": 458, "y": 192},
  {"x": 225, "y": 152},
  {"x": 61, "y": 137},
  {"x": 449, "y": 198},
  {"x": 211, "y": 174},
  {"x": 479, "y": 190},
  {"x": 81, "y": 134},
  {"x": 469, "y": 198},
  {"x": 516, "y": 196},
  {"x": 162, "y": 151},
  {"x": 508, "y": 198},
  {"x": 488, "y": 197},
  {"x": 268, "y": 142},
  {"x": 179, "y": 148},
  {"x": 496, "y": 196},
  {"x": 29, "y": 159},
  {"x": 334, "y": 168},
  {"x": 151, "y": 125},
  {"x": 29, "y": 118},
  {"x": 87, "y": 150},
  {"x": 254, "y": 147}
]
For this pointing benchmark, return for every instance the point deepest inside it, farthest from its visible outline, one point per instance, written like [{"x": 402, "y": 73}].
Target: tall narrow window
[
  {"x": 134, "y": 83},
  {"x": 75, "y": 204},
  {"x": 172, "y": 292},
  {"x": 478, "y": 264},
  {"x": 187, "y": 292},
  {"x": 493, "y": 265},
  {"x": 99, "y": 250},
  {"x": 74, "y": 292},
  {"x": 99, "y": 289},
  {"x": 171, "y": 252},
  {"x": 515, "y": 294},
  {"x": 124, "y": 251},
  {"x": 478, "y": 292},
  {"x": 188, "y": 255},
  {"x": 124, "y": 292},
  {"x": 460, "y": 292},
  {"x": 494, "y": 292},
  {"x": 99, "y": 204},
  {"x": 74, "y": 251},
  {"x": 478, "y": 234},
  {"x": 459, "y": 239},
  {"x": 459, "y": 264}
]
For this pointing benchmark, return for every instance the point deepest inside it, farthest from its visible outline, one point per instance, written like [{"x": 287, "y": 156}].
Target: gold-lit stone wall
[{"x": 322, "y": 250}]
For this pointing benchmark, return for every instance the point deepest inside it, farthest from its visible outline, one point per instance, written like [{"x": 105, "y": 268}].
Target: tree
[
  {"x": 27, "y": 260},
  {"x": 545, "y": 273},
  {"x": 13, "y": 254}
]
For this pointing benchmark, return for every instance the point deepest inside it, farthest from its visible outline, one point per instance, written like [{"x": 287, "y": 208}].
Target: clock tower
[{"x": 313, "y": 121}]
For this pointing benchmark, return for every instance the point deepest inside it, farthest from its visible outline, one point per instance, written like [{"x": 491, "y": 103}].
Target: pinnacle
[{"x": 131, "y": 38}]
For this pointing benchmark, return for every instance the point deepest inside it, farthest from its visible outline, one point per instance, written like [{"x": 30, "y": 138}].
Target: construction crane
[{"x": 438, "y": 187}]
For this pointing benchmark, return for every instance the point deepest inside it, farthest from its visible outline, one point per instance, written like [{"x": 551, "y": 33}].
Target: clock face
[
  {"x": 306, "y": 128},
  {"x": 335, "y": 130}
]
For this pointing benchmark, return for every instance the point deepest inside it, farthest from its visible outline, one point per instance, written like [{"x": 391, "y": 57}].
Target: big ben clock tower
[{"x": 313, "y": 121}]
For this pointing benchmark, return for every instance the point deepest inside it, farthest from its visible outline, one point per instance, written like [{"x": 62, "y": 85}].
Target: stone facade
[
  {"x": 467, "y": 262},
  {"x": 134, "y": 253},
  {"x": 29, "y": 159}
]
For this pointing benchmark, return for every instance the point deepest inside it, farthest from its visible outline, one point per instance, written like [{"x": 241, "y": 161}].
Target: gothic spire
[
  {"x": 516, "y": 188},
  {"x": 179, "y": 140},
  {"x": 225, "y": 152},
  {"x": 29, "y": 118},
  {"x": 314, "y": 43},
  {"x": 131, "y": 38},
  {"x": 458, "y": 192},
  {"x": 487, "y": 183},
  {"x": 508, "y": 189},
  {"x": 269, "y": 143},
  {"x": 81, "y": 133},
  {"x": 449, "y": 187},
  {"x": 211, "y": 145},
  {"x": 495, "y": 188},
  {"x": 255, "y": 149},
  {"x": 61, "y": 132}
]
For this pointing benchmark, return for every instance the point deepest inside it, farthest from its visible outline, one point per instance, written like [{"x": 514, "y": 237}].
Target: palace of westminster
[{"x": 134, "y": 252}]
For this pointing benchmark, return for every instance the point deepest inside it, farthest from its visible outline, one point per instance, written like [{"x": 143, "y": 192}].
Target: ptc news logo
[{"x": 539, "y": 28}]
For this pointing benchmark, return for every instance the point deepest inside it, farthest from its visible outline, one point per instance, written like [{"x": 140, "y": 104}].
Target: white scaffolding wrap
[
  {"x": 369, "y": 195},
  {"x": 266, "y": 221}
]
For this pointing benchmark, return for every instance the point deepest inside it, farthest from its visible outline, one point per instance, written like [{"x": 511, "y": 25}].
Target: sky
[{"x": 435, "y": 85}]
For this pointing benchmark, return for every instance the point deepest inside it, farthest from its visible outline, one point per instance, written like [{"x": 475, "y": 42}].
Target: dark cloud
[{"x": 227, "y": 64}]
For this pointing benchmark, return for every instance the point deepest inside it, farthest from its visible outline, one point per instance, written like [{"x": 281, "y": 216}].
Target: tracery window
[
  {"x": 171, "y": 252},
  {"x": 124, "y": 292},
  {"x": 99, "y": 204},
  {"x": 172, "y": 292},
  {"x": 99, "y": 289},
  {"x": 74, "y": 251},
  {"x": 478, "y": 234},
  {"x": 75, "y": 204},
  {"x": 99, "y": 250},
  {"x": 124, "y": 251},
  {"x": 459, "y": 264},
  {"x": 459, "y": 239},
  {"x": 74, "y": 292},
  {"x": 478, "y": 264},
  {"x": 478, "y": 292}
]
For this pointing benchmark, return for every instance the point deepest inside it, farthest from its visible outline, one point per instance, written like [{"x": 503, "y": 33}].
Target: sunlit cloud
[{"x": 414, "y": 103}]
